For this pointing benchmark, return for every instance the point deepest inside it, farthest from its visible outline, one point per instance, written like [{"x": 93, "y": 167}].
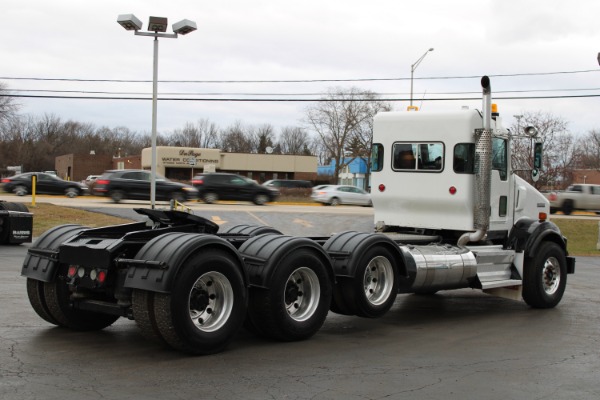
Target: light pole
[
  {"x": 412, "y": 71},
  {"x": 156, "y": 28}
]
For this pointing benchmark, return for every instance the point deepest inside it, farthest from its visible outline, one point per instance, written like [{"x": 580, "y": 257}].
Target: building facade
[
  {"x": 182, "y": 163},
  {"x": 354, "y": 172}
]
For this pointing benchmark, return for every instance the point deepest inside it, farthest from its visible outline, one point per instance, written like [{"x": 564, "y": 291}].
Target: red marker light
[
  {"x": 101, "y": 276},
  {"x": 452, "y": 190},
  {"x": 72, "y": 271},
  {"x": 381, "y": 187}
]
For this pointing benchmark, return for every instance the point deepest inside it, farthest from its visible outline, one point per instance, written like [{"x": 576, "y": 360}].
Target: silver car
[{"x": 341, "y": 194}]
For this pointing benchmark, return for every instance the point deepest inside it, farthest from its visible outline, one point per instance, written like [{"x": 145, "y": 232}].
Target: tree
[
  {"x": 265, "y": 137},
  {"x": 294, "y": 140},
  {"x": 237, "y": 139},
  {"x": 338, "y": 117},
  {"x": 559, "y": 149},
  {"x": 8, "y": 107},
  {"x": 203, "y": 134}
]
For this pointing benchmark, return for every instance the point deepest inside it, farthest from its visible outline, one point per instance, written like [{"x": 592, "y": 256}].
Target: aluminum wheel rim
[
  {"x": 551, "y": 275},
  {"x": 211, "y": 301},
  {"x": 378, "y": 280},
  {"x": 302, "y": 293}
]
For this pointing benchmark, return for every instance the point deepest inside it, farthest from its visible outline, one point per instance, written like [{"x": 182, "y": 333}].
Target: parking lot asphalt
[{"x": 454, "y": 345}]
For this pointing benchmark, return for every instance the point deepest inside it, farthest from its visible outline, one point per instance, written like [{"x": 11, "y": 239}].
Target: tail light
[
  {"x": 5, "y": 180},
  {"x": 102, "y": 182},
  {"x": 197, "y": 181}
]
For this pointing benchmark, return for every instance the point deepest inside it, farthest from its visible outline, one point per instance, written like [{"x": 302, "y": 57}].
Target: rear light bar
[{"x": 98, "y": 276}]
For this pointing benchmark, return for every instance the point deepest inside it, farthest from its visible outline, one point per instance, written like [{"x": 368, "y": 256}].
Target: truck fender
[
  {"x": 156, "y": 265},
  {"x": 527, "y": 235},
  {"x": 262, "y": 255},
  {"x": 346, "y": 248},
  {"x": 42, "y": 259}
]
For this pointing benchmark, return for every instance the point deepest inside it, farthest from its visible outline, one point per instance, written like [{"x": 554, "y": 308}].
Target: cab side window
[
  {"x": 418, "y": 156},
  {"x": 464, "y": 158}
]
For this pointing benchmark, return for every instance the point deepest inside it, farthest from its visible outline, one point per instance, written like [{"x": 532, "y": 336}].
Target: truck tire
[
  {"x": 567, "y": 207},
  {"x": 372, "y": 291},
  {"x": 545, "y": 276},
  {"x": 57, "y": 296},
  {"x": 206, "y": 306},
  {"x": 250, "y": 230},
  {"x": 35, "y": 293},
  {"x": 142, "y": 305},
  {"x": 297, "y": 301}
]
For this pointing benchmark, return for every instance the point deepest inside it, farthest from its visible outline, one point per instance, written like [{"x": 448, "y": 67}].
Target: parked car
[
  {"x": 288, "y": 184},
  {"x": 224, "y": 186},
  {"x": 135, "y": 185},
  {"x": 90, "y": 181},
  {"x": 45, "y": 184},
  {"x": 341, "y": 194}
]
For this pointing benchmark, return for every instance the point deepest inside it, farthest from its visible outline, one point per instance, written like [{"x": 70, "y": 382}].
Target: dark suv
[
  {"x": 223, "y": 186},
  {"x": 135, "y": 184}
]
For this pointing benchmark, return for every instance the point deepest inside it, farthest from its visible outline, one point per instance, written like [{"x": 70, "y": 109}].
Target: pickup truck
[{"x": 576, "y": 197}]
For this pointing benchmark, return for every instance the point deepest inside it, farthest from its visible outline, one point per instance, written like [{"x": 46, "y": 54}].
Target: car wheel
[
  {"x": 178, "y": 197},
  {"x": 335, "y": 202},
  {"x": 210, "y": 198},
  {"x": 260, "y": 199},
  {"x": 117, "y": 195},
  {"x": 71, "y": 192},
  {"x": 567, "y": 207},
  {"x": 20, "y": 190}
]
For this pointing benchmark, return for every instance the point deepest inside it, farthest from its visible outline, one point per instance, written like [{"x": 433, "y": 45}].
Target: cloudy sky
[{"x": 530, "y": 48}]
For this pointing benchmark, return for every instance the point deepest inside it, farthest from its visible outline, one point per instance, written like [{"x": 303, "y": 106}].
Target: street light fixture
[
  {"x": 156, "y": 28},
  {"x": 412, "y": 71}
]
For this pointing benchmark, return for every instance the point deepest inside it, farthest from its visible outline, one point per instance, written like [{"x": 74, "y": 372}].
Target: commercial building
[{"x": 181, "y": 163}]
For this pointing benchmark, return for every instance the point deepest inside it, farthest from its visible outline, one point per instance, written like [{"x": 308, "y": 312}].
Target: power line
[
  {"x": 304, "y": 80},
  {"x": 291, "y": 100},
  {"x": 290, "y": 94}
]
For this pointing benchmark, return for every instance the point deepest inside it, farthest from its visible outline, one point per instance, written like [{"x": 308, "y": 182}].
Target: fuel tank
[{"x": 438, "y": 267}]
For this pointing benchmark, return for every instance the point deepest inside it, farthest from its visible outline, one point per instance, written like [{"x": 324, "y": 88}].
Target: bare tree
[
  {"x": 589, "y": 150},
  {"x": 336, "y": 119},
  {"x": 8, "y": 107},
  {"x": 294, "y": 140},
  {"x": 559, "y": 149},
  {"x": 237, "y": 139}
]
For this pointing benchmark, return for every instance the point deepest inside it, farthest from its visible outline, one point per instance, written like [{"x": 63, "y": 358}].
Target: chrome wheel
[
  {"x": 378, "y": 280},
  {"x": 211, "y": 301},
  {"x": 210, "y": 198},
  {"x": 20, "y": 190},
  {"x": 551, "y": 275},
  {"x": 261, "y": 199},
  {"x": 302, "y": 293},
  {"x": 71, "y": 193}
]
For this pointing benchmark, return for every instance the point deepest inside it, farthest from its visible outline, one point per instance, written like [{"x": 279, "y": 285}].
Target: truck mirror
[{"x": 537, "y": 155}]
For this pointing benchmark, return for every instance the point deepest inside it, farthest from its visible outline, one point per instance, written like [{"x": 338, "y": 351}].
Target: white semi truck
[{"x": 449, "y": 214}]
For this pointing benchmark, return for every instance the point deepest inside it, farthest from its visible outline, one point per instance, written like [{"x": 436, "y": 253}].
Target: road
[
  {"x": 454, "y": 345},
  {"x": 290, "y": 219}
]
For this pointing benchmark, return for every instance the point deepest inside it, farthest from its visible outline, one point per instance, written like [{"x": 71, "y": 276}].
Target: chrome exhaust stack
[{"x": 483, "y": 171}]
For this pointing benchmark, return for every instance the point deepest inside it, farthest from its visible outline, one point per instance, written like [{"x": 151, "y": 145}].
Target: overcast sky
[{"x": 268, "y": 40}]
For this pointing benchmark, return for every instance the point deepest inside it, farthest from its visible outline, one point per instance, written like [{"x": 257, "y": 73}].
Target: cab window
[{"x": 427, "y": 157}]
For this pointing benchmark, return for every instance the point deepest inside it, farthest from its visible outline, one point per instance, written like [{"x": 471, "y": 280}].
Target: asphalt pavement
[{"x": 454, "y": 345}]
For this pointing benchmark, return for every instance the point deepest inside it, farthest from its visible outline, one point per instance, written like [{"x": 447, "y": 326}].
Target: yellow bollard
[{"x": 33, "y": 185}]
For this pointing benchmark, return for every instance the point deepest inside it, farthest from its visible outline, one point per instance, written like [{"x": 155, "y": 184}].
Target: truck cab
[{"x": 423, "y": 172}]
